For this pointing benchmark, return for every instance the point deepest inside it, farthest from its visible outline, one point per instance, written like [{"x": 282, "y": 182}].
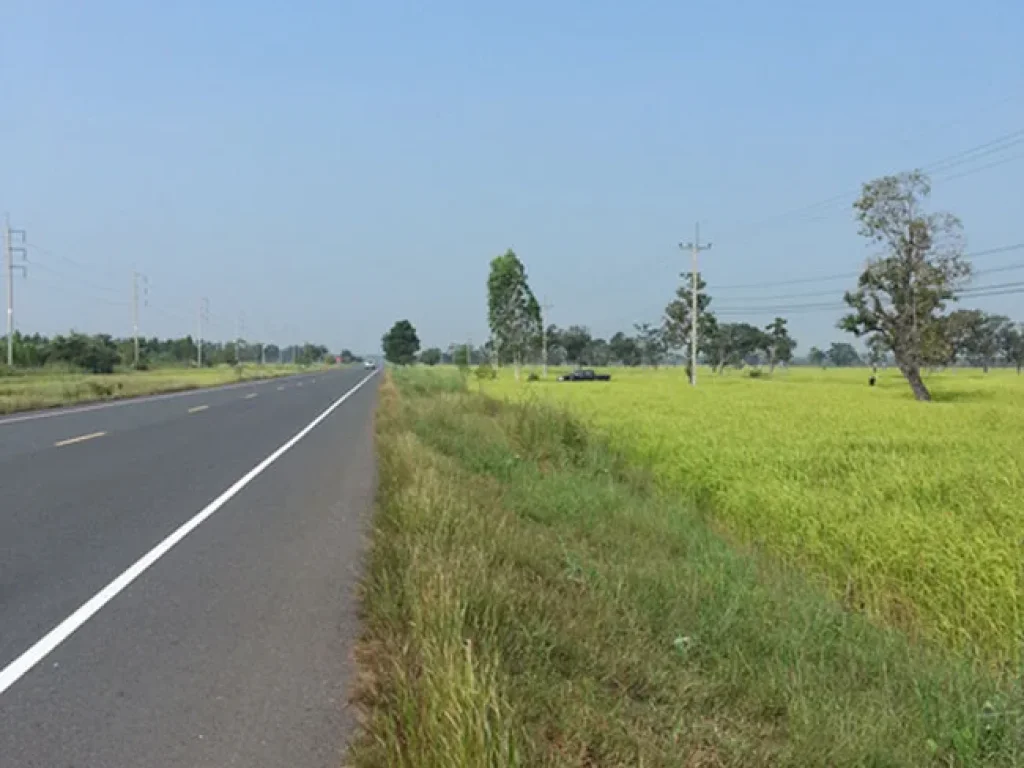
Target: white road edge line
[
  {"x": 79, "y": 439},
  {"x": 14, "y": 671},
  {"x": 197, "y": 408}
]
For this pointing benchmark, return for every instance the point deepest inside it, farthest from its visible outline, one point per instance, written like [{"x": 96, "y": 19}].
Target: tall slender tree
[{"x": 513, "y": 311}]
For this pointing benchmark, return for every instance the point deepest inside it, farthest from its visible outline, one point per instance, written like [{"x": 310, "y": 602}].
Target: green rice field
[{"x": 912, "y": 513}]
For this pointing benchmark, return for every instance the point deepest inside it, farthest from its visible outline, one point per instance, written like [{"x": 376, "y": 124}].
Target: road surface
[{"x": 177, "y": 576}]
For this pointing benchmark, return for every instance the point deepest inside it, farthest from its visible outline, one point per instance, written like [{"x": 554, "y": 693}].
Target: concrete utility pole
[
  {"x": 9, "y": 266},
  {"x": 204, "y": 315},
  {"x": 544, "y": 335},
  {"x": 135, "y": 307},
  {"x": 239, "y": 333},
  {"x": 695, "y": 248}
]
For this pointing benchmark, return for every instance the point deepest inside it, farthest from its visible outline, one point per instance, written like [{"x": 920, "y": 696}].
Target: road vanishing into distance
[{"x": 177, "y": 576}]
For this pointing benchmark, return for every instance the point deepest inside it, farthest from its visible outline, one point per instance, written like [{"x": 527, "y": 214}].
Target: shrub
[{"x": 485, "y": 372}]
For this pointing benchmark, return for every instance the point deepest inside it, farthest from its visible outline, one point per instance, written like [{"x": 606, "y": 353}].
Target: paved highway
[{"x": 177, "y": 576}]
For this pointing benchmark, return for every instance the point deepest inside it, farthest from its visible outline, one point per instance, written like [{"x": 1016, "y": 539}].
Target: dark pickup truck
[{"x": 585, "y": 375}]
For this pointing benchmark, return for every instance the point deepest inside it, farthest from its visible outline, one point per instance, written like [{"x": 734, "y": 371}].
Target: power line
[
  {"x": 810, "y": 294},
  {"x": 851, "y": 275},
  {"x": 68, "y": 260},
  {"x": 997, "y": 289},
  {"x": 972, "y": 291},
  {"x": 979, "y": 169},
  {"x": 971, "y": 154}
]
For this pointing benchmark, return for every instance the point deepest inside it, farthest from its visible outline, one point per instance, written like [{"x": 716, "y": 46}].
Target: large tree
[
  {"x": 512, "y": 309},
  {"x": 816, "y": 356},
  {"x": 401, "y": 343},
  {"x": 777, "y": 344},
  {"x": 678, "y": 317},
  {"x": 902, "y": 295}
]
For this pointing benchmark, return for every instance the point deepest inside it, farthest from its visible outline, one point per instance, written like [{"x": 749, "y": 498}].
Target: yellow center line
[
  {"x": 250, "y": 396},
  {"x": 79, "y": 439},
  {"x": 198, "y": 408}
]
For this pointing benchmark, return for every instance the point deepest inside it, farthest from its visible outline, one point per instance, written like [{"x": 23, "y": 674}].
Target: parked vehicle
[{"x": 585, "y": 374}]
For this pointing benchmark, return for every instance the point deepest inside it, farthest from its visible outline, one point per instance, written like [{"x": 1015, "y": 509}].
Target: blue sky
[{"x": 324, "y": 168}]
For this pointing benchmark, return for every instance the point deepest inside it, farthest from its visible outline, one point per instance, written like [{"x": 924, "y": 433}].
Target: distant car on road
[
  {"x": 585, "y": 374},
  {"x": 369, "y": 364}
]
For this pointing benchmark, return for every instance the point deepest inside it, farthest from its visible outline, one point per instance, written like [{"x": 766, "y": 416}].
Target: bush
[
  {"x": 95, "y": 354},
  {"x": 485, "y": 372},
  {"x": 533, "y": 377},
  {"x": 755, "y": 373}
]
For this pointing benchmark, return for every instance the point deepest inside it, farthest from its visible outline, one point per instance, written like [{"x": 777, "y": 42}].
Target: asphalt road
[{"x": 177, "y": 576}]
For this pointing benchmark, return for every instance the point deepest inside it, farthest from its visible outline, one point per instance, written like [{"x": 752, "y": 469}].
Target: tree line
[{"x": 103, "y": 353}]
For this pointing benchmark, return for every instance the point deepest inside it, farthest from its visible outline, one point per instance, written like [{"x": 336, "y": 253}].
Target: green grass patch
[
  {"x": 49, "y": 388},
  {"x": 534, "y": 599}
]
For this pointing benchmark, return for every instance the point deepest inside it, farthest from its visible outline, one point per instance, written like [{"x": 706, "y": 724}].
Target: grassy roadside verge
[
  {"x": 34, "y": 390},
  {"x": 531, "y": 600}
]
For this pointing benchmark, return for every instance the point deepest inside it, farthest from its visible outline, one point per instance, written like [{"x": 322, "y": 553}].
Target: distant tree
[
  {"x": 575, "y": 340},
  {"x": 732, "y": 344},
  {"x": 556, "y": 349},
  {"x": 430, "y": 356},
  {"x": 1011, "y": 345},
  {"x": 651, "y": 343},
  {"x": 624, "y": 350},
  {"x": 464, "y": 356},
  {"x": 95, "y": 354},
  {"x": 777, "y": 344},
  {"x": 975, "y": 336},
  {"x": 902, "y": 295},
  {"x": 308, "y": 354},
  {"x": 678, "y": 317},
  {"x": 817, "y": 357},
  {"x": 876, "y": 351},
  {"x": 401, "y": 343},
  {"x": 513, "y": 310},
  {"x": 598, "y": 353},
  {"x": 843, "y": 355}
]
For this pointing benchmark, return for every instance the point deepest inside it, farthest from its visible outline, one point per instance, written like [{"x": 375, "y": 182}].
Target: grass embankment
[
  {"x": 28, "y": 390},
  {"x": 532, "y": 600},
  {"x": 911, "y": 512}
]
